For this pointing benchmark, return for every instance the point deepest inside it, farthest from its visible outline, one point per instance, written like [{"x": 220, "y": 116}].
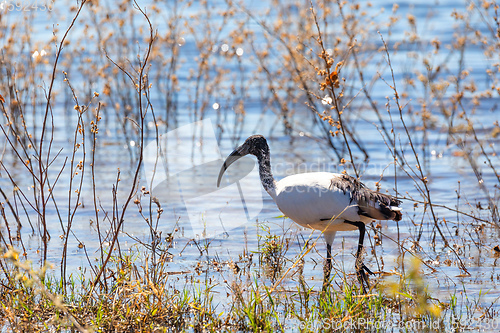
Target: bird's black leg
[
  {"x": 328, "y": 266},
  {"x": 361, "y": 269}
]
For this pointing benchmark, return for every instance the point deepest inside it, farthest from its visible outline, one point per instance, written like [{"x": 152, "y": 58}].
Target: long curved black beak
[{"x": 233, "y": 157}]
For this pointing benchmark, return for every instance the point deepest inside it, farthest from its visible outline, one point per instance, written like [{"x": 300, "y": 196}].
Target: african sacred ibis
[{"x": 328, "y": 202}]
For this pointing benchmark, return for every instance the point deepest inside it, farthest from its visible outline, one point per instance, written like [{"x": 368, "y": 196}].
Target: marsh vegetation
[{"x": 404, "y": 97}]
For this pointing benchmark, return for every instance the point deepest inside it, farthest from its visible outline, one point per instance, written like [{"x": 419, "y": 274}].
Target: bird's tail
[
  {"x": 396, "y": 211},
  {"x": 375, "y": 205},
  {"x": 380, "y": 206}
]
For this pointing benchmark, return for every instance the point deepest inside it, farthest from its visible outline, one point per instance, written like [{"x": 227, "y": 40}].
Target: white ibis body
[{"x": 328, "y": 202}]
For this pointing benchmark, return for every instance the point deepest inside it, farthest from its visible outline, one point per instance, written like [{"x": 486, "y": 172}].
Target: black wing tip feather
[{"x": 364, "y": 196}]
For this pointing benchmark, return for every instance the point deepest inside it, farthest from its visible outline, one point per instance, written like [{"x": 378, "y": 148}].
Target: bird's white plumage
[{"x": 313, "y": 200}]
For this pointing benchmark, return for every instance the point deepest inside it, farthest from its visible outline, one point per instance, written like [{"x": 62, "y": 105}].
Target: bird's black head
[{"x": 255, "y": 145}]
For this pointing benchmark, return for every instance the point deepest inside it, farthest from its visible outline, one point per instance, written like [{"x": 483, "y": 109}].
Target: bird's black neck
[{"x": 266, "y": 176}]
